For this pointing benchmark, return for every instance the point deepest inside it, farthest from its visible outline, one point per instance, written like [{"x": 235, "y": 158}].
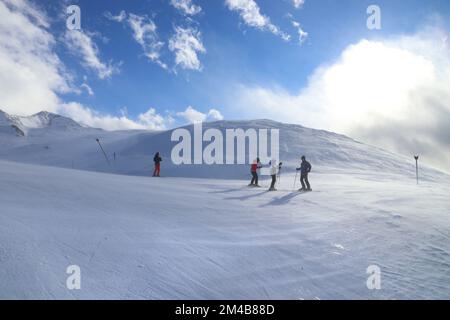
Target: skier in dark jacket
[
  {"x": 254, "y": 171},
  {"x": 157, "y": 160},
  {"x": 305, "y": 169}
]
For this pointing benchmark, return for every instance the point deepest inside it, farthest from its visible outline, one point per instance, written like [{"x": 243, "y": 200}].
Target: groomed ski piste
[{"x": 199, "y": 232}]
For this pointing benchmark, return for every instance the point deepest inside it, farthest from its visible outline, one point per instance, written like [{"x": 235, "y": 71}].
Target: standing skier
[
  {"x": 273, "y": 174},
  {"x": 157, "y": 160},
  {"x": 256, "y": 165},
  {"x": 305, "y": 169}
]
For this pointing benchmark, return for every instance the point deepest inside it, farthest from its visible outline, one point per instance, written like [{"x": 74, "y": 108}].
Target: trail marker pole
[
  {"x": 417, "y": 168},
  {"x": 104, "y": 153}
]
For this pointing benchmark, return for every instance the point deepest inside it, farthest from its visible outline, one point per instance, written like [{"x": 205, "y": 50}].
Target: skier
[
  {"x": 157, "y": 160},
  {"x": 273, "y": 172},
  {"x": 305, "y": 169},
  {"x": 254, "y": 171},
  {"x": 279, "y": 172}
]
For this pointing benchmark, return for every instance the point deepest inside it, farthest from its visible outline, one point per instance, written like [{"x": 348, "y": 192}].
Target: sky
[{"x": 158, "y": 64}]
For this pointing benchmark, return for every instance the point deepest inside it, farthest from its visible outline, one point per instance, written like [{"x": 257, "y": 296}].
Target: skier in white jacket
[{"x": 273, "y": 173}]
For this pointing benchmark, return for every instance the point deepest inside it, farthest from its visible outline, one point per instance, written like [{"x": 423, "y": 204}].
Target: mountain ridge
[
  {"x": 21, "y": 125},
  {"x": 130, "y": 152}
]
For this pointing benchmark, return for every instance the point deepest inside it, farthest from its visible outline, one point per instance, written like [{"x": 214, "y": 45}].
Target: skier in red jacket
[
  {"x": 157, "y": 160},
  {"x": 254, "y": 171}
]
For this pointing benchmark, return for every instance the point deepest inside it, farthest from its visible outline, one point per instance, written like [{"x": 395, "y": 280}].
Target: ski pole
[
  {"x": 295, "y": 179},
  {"x": 104, "y": 153},
  {"x": 279, "y": 173}
]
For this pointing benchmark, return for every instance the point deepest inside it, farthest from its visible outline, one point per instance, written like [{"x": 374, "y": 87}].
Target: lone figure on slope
[
  {"x": 254, "y": 170},
  {"x": 273, "y": 173},
  {"x": 157, "y": 160},
  {"x": 305, "y": 169}
]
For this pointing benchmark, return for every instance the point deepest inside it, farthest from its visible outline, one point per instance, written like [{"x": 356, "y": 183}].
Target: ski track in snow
[{"x": 184, "y": 238}]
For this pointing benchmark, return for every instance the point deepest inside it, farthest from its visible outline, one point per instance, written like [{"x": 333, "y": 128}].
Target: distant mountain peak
[
  {"x": 20, "y": 125},
  {"x": 47, "y": 119}
]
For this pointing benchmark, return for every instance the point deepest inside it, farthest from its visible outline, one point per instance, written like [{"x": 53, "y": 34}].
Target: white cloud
[
  {"x": 298, "y": 3},
  {"x": 392, "y": 92},
  {"x": 251, "y": 14},
  {"x": 186, "y": 43},
  {"x": 149, "y": 120},
  {"x": 119, "y": 18},
  {"x": 302, "y": 34},
  {"x": 152, "y": 120},
  {"x": 193, "y": 116},
  {"x": 145, "y": 34},
  {"x": 215, "y": 115},
  {"x": 86, "y": 87},
  {"x": 81, "y": 44},
  {"x": 29, "y": 10},
  {"x": 31, "y": 74},
  {"x": 186, "y": 7}
]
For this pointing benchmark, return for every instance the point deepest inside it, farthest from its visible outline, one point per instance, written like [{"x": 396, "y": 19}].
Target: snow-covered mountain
[
  {"x": 50, "y": 139},
  {"x": 48, "y": 120},
  {"x": 21, "y": 125},
  {"x": 10, "y": 125}
]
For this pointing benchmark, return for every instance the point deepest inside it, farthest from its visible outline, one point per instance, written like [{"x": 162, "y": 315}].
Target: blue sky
[
  {"x": 157, "y": 64},
  {"x": 235, "y": 52}
]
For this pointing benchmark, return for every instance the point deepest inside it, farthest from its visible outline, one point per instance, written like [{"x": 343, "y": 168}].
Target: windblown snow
[{"x": 200, "y": 233}]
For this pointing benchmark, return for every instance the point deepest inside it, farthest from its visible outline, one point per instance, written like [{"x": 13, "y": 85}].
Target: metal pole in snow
[
  {"x": 417, "y": 168},
  {"x": 295, "y": 180},
  {"x": 104, "y": 153}
]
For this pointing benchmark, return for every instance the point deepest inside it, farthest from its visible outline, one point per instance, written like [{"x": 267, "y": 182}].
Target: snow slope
[
  {"x": 57, "y": 141},
  {"x": 171, "y": 238},
  {"x": 184, "y": 237}
]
